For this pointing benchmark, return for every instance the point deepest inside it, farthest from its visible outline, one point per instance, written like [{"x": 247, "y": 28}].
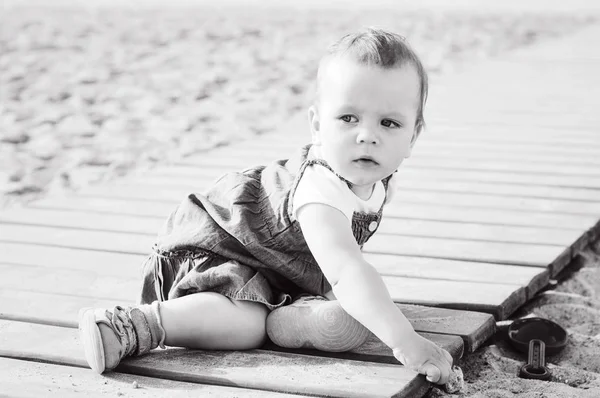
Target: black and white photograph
[{"x": 311, "y": 198}]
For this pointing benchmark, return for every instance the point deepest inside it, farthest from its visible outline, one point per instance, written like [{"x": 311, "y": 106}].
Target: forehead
[{"x": 344, "y": 81}]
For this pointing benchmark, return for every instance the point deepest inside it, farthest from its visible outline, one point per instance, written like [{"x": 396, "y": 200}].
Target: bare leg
[
  {"x": 202, "y": 320},
  {"x": 214, "y": 322}
]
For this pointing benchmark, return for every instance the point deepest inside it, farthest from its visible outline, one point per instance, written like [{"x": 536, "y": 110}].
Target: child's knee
[
  {"x": 254, "y": 318},
  {"x": 314, "y": 322}
]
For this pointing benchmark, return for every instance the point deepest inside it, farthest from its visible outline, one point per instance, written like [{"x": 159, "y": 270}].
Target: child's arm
[{"x": 362, "y": 293}]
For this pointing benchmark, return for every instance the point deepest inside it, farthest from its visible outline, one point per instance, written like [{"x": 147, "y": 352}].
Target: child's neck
[{"x": 363, "y": 191}]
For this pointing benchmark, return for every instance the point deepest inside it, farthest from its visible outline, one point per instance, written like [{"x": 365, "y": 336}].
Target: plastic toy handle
[{"x": 536, "y": 368}]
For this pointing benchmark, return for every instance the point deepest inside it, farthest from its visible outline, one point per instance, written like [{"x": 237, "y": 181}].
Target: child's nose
[{"x": 367, "y": 136}]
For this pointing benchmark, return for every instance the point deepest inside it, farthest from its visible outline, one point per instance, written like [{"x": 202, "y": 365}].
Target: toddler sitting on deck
[{"x": 276, "y": 250}]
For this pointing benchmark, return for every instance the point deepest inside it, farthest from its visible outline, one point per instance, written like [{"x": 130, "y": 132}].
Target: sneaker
[
  {"x": 105, "y": 347},
  {"x": 315, "y": 322}
]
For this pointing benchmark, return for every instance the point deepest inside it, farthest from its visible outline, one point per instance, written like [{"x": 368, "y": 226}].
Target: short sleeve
[{"x": 319, "y": 185}]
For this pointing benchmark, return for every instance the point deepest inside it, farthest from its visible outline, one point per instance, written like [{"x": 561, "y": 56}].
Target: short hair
[{"x": 382, "y": 48}]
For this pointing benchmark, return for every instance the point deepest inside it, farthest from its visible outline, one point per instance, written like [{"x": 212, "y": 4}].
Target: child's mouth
[{"x": 365, "y": 162}]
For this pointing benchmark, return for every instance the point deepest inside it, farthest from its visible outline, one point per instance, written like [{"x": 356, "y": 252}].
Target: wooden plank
[
  {"x": 60, "y": 300},
  {"x": 93, "y": 272},
  {"x": 175, "y": 194},
  {"x": 429, "y": 182},
  {"x": 103, "y": 263},
  {"x": 482, "y": 232},
  {"x": 53, "y": 309},
  {"x": 456, "y": 147},
  {"x": 116, "y": 242},
  {"x": 20, "y": 378},
  {"x": 452, "y": 132},
  {"x": 500, "y": 189},
  {"x": 119, "y": 242},
  {"x": 261, "y": 152},
  {"x": 226, "y": 163},
  {"x": 285, "y": 150},
  {"x": 442, "y": 229},
  {"x": 496, "y": 299},
  {"x": 493, "y": 134},
  {"x": 56, "y": 280},
  {"x": 91, "y": 205},
  {"x": 434, "y": 212},
  {"x": 533, "y": 279},
  {"x": 441, "y": 212},
  {"x": 373, "y": 350},
  {"x": 555, "y": 257},
  {"x": 448, "y": 134},
  {"x": 439, "y": 139},
  {"x": 255, "y": 369},
  {"x": 497, "y": 202},
  {"x": 82, "y": 219},
  {"x": 473, "y": 327},
  {"x": 458, "y": 249}
]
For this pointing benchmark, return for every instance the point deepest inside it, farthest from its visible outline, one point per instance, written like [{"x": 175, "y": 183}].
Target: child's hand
[{"x": 425, "y": 357}]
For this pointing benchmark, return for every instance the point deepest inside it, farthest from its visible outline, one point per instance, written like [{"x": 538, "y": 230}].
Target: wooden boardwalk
[{"x": 501, "y": 193}]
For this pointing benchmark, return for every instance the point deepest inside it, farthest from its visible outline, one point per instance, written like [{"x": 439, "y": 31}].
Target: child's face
[{"x": 365, "y": 120}]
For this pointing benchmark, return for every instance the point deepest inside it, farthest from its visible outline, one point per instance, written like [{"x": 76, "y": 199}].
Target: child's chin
[{"x": 363, "y": 180}]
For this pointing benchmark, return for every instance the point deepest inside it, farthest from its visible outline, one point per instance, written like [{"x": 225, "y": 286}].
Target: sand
[
  {"x": 90, "y": 94},
  {"x": 574, "y": 303}
]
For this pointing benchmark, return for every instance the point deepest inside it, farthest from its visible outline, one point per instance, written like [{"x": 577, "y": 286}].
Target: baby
[{"x": 276, "y": 250}]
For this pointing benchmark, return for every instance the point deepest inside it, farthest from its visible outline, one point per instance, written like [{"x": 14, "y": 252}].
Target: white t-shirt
[{"x": 318, "y": 184}]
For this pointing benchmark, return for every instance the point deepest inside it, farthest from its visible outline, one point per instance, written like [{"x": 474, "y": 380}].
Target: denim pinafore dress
[{"x": 240, "y": 239}]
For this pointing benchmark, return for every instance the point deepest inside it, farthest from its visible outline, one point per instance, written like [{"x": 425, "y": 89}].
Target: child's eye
[
  {"x": 390, "y": 123},
  {"x": 348, "y": 118}
]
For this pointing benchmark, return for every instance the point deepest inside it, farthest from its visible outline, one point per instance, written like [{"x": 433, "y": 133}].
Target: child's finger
[
  {"x": 432, "y": 372},
  {"x": 448, "y": 357}
]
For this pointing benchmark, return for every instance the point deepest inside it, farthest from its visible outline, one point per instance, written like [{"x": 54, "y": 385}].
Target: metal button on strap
[{"x": 373, "y": 226}]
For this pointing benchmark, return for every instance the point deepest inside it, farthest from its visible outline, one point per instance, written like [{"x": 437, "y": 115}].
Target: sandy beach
[
  {"x": 117, "y": 90},
  {"x": 92, "y": 93},
  {"x": 574, "y": 303}
]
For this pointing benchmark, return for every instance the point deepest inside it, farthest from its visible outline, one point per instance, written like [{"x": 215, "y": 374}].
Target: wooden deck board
[
  {"x": 485, "y": 214},
  {"x": 425, "y": 228},
  {"x": 496, "y": 299},
  {"x": 252, "y": 152},
  {"x": 256, "y": 369},
  {"x": 61, "y": 291},
  {"x": 174, "y": 194},
  {"x": 120, "y": 270},
  {"x": 495, "y": 295},
  {"x": 129, "y": 265},
  {"x": 416, "y": 211},
  {"x": 428, "y": 142},
  {"x": 22, "y": 378},
  {"x": 533, "y": 279},
  {"x": 224, "y": 164},
  {"x": 436, "y": 324},
  {"x": 459, "y": 249},
  {"x": 194, "y": 177}
]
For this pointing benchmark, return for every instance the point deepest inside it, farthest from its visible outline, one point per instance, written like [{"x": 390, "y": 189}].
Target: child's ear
[
  {"x": 315, "y": 124},
  {"x": 413, "y": 139},
  {"x": 416, "y": 134}
]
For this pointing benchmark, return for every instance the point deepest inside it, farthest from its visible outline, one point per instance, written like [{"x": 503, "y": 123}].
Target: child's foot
[
  {"x": 107, "y": 337},
  {"x": 315, "y": 322}
]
